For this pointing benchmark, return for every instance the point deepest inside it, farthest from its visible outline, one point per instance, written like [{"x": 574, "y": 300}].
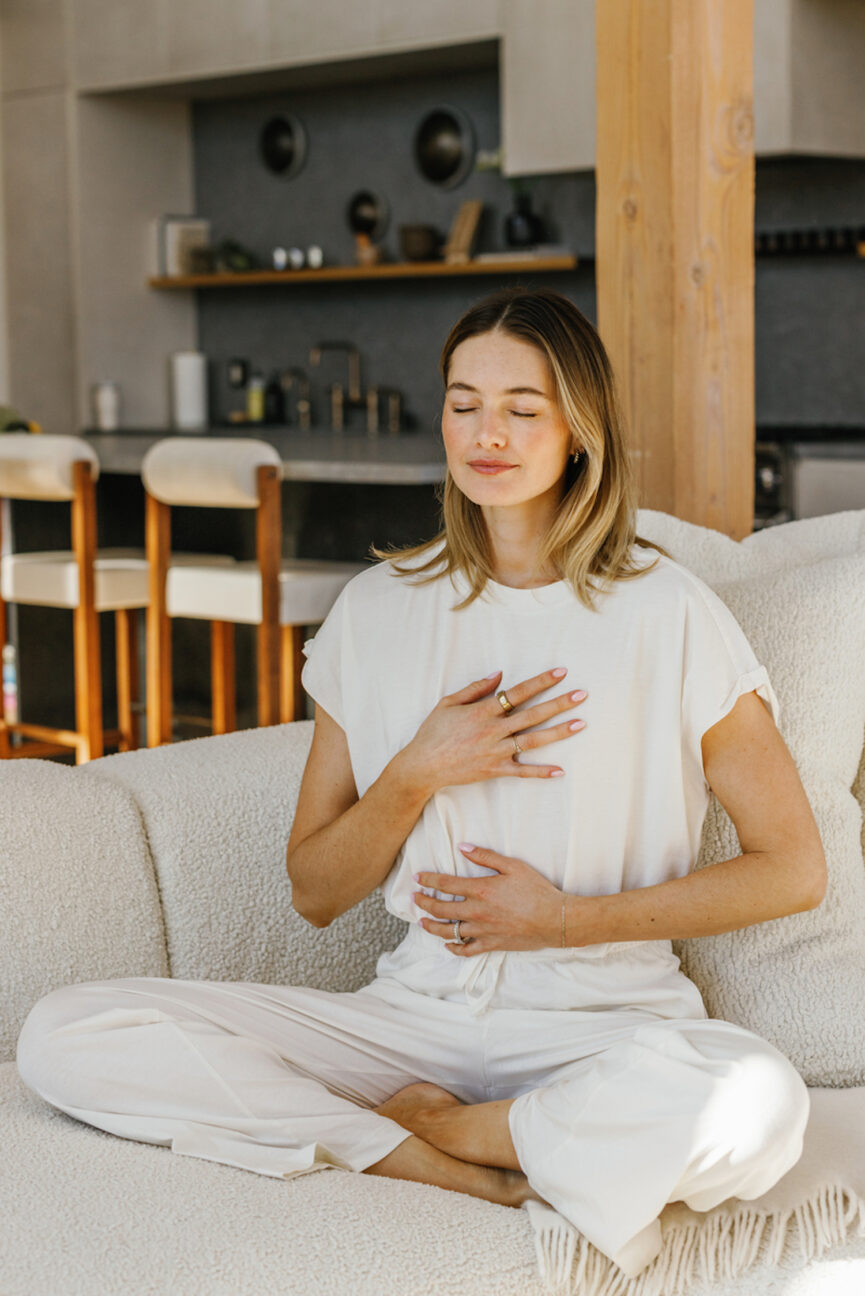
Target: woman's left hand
[{"x": 515, "y": 908}]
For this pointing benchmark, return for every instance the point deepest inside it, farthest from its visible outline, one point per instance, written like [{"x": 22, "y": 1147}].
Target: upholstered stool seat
[
  {"x": 50, "y": 577},
  {"x": 307, "y": 590}
]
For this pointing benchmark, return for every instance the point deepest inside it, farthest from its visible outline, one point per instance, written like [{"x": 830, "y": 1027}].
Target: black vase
[{"x": 523, "y": 227}]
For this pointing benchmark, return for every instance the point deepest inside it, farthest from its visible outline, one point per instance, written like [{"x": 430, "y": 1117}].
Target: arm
[
  {"x": 342, "y": 847},
  {"x": 782, "y": 869}
]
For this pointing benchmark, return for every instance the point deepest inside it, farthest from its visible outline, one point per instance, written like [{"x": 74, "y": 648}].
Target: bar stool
[
  {"x": 87, "y": 581},
  {"x": 279, "y": 597}
]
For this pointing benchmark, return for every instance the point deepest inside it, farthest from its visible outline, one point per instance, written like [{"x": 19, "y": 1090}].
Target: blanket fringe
[{"x": 724, "y": 1244}]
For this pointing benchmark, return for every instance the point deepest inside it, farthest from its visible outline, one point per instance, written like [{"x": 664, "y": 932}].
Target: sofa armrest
[{"x": 217, "y": 812}]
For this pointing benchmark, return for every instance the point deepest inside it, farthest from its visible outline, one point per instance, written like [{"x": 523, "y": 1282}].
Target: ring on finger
[
  {"x": 504, "y": 702},
  {"x": 517, "y": 747},
  {"x": 458, "y": 939}
]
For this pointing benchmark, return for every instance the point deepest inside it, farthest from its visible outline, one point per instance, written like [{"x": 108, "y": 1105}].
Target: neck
[{"x": 516, "y": 540}]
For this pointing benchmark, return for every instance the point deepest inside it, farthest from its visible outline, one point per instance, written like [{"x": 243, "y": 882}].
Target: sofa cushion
[
  {"x": 87, "y": 1214},
  {"x": 77, "y": 890},
  {"x": 218, "y": 813},
  {"x": 798, "y": 981}
]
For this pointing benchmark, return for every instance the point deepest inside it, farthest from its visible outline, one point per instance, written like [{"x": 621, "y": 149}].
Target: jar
[{"x": 105, "y": 397}]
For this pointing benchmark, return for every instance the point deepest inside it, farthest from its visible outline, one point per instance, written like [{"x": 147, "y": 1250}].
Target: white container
[
  {"x": 105, "y": 398},
  {"x": 188, "y": 371}
]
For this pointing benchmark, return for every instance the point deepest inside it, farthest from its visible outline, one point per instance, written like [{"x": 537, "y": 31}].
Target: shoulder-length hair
[{"x": 591, "y": 538}]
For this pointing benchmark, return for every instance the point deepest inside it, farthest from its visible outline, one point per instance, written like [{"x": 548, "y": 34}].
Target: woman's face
[{"x": 505, "y": 437}]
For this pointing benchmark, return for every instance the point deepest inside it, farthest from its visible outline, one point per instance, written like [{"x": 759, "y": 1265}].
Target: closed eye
[{"x": 523, "y": 414}]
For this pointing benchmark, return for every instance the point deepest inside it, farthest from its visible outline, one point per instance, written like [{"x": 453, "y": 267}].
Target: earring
[{"x": 575, "y": 456}]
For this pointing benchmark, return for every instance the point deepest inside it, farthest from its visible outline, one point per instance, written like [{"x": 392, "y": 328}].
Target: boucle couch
[{"x": 171, "y": 862}]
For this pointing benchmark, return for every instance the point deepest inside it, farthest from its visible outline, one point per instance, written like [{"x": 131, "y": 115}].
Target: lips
[{"x": 490, "y": 467}]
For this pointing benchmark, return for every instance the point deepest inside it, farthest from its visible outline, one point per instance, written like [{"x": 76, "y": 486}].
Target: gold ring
[
  {"x": 517, "y": 747},
  {"x": 504, "y": 702}
]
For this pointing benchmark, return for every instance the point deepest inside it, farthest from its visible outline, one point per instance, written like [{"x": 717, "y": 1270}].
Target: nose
[{"x": 492, "y": 431}]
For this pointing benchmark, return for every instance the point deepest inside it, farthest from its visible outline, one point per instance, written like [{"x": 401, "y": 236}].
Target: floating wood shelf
[{"x": 389, "y": 270}]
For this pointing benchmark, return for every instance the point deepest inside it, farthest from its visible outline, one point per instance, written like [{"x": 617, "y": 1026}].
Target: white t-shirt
[{"x": 662, "y": 659}]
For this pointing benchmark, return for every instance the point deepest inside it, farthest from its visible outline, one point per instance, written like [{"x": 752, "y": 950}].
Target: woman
[{"x": 532, "y": 1036}]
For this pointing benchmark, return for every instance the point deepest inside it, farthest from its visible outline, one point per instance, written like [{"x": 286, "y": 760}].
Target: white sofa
[{"x": 171, "y": 862}]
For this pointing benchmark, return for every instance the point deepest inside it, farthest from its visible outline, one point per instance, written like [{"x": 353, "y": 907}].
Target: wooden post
[
  {"x": 88, "y": 671},
  {"x": 268, "y": 533},
  {"x": 158, "y": 624},
  {"x": 675, "y": 247}
]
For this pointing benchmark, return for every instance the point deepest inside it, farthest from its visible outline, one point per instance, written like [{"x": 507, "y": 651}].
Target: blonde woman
[{"x": 517, "y": 729}]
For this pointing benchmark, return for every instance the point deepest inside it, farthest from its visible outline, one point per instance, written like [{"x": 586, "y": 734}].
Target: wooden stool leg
[
  {"x": 223, "y": 694},
  {"x": 88, "y": 669},
  {"x": 291, "y": 665},
  {"x": 158, "y": 624},
  {"x": 88, "y": 684},
  {"x": 268, "y": 548},
  {"x": 127, "y": 677}
]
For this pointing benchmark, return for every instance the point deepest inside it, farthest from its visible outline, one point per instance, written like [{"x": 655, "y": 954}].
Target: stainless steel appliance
[{"x": 807, "y": 471}]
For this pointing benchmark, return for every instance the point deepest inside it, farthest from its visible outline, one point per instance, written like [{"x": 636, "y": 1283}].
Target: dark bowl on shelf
[{"x": 420, "y": 242}]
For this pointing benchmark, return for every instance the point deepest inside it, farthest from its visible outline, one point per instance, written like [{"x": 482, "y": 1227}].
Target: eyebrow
[{"x": 510, "y": 391}]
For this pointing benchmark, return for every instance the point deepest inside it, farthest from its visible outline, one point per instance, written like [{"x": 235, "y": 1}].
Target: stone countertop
[{"x": 408, "y": 460}]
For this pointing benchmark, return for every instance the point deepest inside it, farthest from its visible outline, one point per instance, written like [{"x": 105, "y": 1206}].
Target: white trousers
[{"x": 616, "y": 1112}]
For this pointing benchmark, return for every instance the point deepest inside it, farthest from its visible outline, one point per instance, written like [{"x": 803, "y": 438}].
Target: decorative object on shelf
[
  {"x": 368, "y": 214},
  {"x": 279, "y": 258},
  {"x": 282, "y": 144},
  {"x": 844, "y": 240},
  {"x": 255, "y": 398},
  {"x": 105, "y": 403},
  {"x": 174, "y": 240},
  {"x": 523, "y": 227},
  {"x": 463, "y": 232},
  {"x": 188, "y": 371},
  {"x": 444, "y": 147},
  {"x": 420, "y": 242},
  {"x": 233, "y": 257},
  {"x": 314, "y": 257},
  {"x": 202, "y": 260}
]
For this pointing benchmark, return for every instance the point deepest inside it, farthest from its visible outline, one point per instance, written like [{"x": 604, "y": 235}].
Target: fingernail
[
  {"x": 577, "y": 724},
  {"x": 557, "y": 773},
  {"x": 579, "y": 695},
  {"x": 560, "y": 671},
  {"x": 467, "y": 847},
  {"x": 416, "y": 877},
  {"x": 494, "y": 675}
]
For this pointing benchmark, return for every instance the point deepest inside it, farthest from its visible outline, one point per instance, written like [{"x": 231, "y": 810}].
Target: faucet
[
  {"x": 295, "y": 376},
  {"x": 355, "y": 396},
  {"x": 394, "y": 410}
]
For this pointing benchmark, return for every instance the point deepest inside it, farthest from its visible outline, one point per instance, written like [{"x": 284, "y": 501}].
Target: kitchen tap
[
  {"x": 295, "y": 377},
  {"x": 394, "y": 410},
  {"x": 355, "y": 396}
]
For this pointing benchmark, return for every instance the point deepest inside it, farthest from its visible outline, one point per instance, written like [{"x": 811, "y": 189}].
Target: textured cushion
[
  {"x": 307, "y": 591},
  {"x": 77, "y": 890},
  {"x": 798, "y": 981},
  {"x": 218, "y": 812}
]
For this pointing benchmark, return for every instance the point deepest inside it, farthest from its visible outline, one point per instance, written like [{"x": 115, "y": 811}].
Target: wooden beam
[{"x": 675, "y": 247}]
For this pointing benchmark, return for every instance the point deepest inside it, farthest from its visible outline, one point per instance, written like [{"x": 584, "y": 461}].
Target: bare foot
[{"x": 409, "y": 1106}]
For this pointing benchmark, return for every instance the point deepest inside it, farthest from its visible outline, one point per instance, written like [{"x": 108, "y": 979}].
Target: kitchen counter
[{"x": 408, "y": 460}]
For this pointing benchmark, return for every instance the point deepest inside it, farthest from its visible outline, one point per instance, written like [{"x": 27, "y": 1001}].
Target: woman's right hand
[{"x": 469, "y": 737}]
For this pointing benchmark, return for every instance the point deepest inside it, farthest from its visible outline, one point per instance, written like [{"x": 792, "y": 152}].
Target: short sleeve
[
  {"x": 322, "y": 675},
  {"x": 719, "y": 665}
]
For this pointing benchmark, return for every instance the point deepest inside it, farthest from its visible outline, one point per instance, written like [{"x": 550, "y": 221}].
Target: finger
[
  {"x": 546, "y": 710},
  {"x": 444, "y": 930},
  {"x": 526, "y": 689},
  {"x": 525, "y": 769},
  {"x": 488, "y": 858},
  {"x": 474, "y": 691},
  {"x": 473, "y": 947},
  {"x": 457, "y": 886},
  {"x": 445, "y": 910},
  {"x": 553, "y": 733}
]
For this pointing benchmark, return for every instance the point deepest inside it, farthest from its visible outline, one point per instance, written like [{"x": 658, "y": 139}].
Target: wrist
[{"x": 407, "y": 781}]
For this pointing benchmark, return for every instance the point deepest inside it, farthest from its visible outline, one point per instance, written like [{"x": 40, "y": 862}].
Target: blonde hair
[{"x": 590, "y": 540}]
